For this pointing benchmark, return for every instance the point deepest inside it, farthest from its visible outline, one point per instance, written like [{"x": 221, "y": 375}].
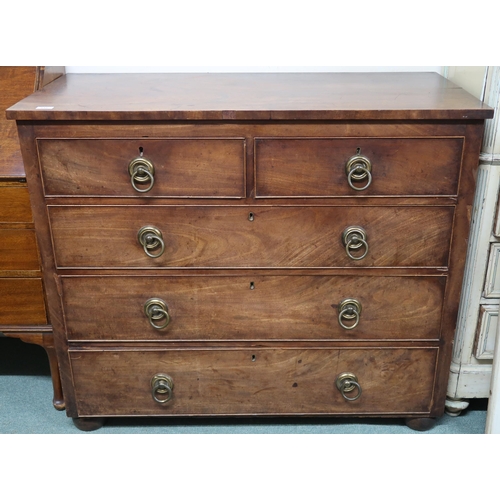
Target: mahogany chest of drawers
[{"x": 267, "y": 244}]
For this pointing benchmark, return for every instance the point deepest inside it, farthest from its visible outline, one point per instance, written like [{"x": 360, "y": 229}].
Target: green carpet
[{"x": 26, "y": 408}]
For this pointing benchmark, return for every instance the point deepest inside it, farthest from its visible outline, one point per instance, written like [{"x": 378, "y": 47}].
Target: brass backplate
[
  {"x": 145, "y": 164},
  {"x": 343, "y": 377},
  {"x": 162, "y": 377}
]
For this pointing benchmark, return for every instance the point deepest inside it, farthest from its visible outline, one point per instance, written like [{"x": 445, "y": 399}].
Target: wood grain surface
[
  {"x": 16, "y": 82},
  {"x": 18, "y": 250},
  {"x": 316, "y": 167},
  {"x": 22, "y": 302},
  {"x": 254, "y": 381},
  {"x": 258, "y": 96},
  {"x": 252, "y": 307},
  {"x": 224, "y": 237},
  {"x": 14, "y": 205},
  {"x": 213, "y": 168}
]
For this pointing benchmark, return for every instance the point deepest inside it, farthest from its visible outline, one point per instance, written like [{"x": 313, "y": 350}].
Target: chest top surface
[{"x": 245, "y": 96}]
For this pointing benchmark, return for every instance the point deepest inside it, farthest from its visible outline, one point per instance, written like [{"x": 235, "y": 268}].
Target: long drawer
[
  {"x": 298, "y": 167},
  {"x": 22, "y": 302},
  {"x": 257, "y": 237},
  {"x": 254, "y": 381},
  {"x": 186, "y": 168},
  {"x": 255, "y": 307}
]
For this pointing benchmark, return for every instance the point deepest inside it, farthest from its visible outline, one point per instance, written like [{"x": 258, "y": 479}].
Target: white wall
[
  {"x": 226, "y": 69},
  {"x": 470, "y": 78}
]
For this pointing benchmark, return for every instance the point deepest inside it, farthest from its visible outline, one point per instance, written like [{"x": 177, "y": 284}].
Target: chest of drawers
[
  {"x": 273, "y": 244},
  {"x": 22, "y": 304}
]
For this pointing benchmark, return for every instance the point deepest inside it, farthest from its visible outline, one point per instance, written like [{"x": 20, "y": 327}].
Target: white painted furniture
[
  {"x": 493, "y": 414},
  {"x": 474, "y": 345}
]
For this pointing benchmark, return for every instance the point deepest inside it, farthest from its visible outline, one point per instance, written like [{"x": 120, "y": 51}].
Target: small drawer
[
  {"x": 18, "y": 250},
  {"x": 289, "y": 381},
  {"x": 486, "y": 331},
  {"x": 14, "y": 205},
  {"x": 22, "y": 302},
  {"x": 180, "y": 168},
  {"x": 492, "y": 280},
  {"x": 253, "y": 308},
  {"x": 292, "y": 167},
  {"x": 253, "y": 237}
]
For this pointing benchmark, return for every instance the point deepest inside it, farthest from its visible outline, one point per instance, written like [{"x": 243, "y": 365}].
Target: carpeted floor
[{"x": 26, "y": 408}]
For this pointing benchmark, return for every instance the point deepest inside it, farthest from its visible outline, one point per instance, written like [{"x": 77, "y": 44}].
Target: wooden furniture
[
  {"x": 22, "y": 308},
  {"x": 238, "y": 244},
  {"x": 493, "y": 414},
  {"x": 471, "y": 364}
]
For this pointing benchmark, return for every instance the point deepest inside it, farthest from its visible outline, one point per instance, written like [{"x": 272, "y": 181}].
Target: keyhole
[
  {"x": 252, "y": 285},
  {"x": 253, "y": 357},
  {"x": 250, "y": 216},
  {"x": 141, "y": 151}
]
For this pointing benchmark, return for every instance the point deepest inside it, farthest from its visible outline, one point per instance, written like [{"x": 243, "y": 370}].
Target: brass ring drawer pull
[
  {"x": 141, "y": 171},
  {"x": 358, "y": 168},
  {"x": 162, "y": 384},
  {"x": 151, "y": 238},
  {"x": 157, "y": 310},
  {"x": 354, "y": 238},
  {"x": 347, "y": 382},
  {"x": 349, "y": 309}
]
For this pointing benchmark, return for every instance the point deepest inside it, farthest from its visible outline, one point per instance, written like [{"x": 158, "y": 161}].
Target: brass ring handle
[
  {"x": 348, "y": 382},
  {"x": 357, "y": 168},
  {"x": 141, "y": 170},
  {"x": 155, "y": 310},
  {"x": 354, "y": 237},
  {"x": 148, "y": 174},
  {"x": 353, "y": 172},
  {"x": 349, "y": 309},
  {"x": 151, "y": 238},
  {"x": 162, "y": 384}
]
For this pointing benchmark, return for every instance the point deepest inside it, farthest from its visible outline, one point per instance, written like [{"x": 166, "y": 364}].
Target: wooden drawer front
[
  {"x": 22, "y": 302},
  {"x": 316, "y": 167},
  {"x": 18, "y": 250},
  {"x": 257, "y": 307},
  {"x": 14, "y": 204},
  {"x": 253, "y": 381},
  {"x": 220, "y": 237},
  {"x": 204, "y": 168}
]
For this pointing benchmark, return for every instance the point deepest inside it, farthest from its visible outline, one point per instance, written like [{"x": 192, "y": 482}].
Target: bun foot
[
  {"x": 420, "y": 424},
  {"x": 88, "y": 423},
  {"x": 455, "y": 406},
  {"x": 58, "y": 404}
]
